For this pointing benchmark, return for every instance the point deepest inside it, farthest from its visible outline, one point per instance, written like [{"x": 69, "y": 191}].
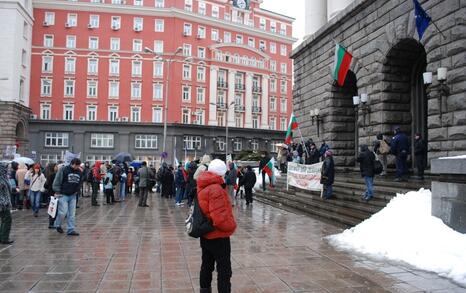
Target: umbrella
[
  {"x": 136, "y": 164},
  {"x": 24, "y": 160},
  {"x": 123, "y": 157},
  {"x": 282, "y": 145}
]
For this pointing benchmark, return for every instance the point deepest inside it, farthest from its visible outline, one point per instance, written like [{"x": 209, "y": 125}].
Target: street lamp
[
  {"x": 165, "y": 102},
  {"x": 226, "y": 126}
]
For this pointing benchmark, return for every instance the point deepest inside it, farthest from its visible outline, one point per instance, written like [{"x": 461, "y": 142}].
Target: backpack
[
  {"x": 378, "y": 167},
  {"x": 384, "y": 148},
  {"x": 197, "y": 223}
]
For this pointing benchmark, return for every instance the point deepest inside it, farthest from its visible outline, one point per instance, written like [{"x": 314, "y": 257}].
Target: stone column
[
  {"x": 213, "y": 96},
  {"x": 248, "y": 101},
  {"x": 231, "y": 98},
  {"x": 265, "y": 102}
]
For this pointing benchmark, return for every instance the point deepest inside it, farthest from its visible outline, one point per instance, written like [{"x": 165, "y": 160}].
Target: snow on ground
[
  {"x": 457, "y": 157},
  {"x": 405, "y": 231},
  {"x": 259, "y": 178}
]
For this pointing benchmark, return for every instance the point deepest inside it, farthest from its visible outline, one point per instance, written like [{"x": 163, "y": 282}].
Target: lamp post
[
  {"x": 165, "y": 102},
  {"x": 226, "y": 126}
]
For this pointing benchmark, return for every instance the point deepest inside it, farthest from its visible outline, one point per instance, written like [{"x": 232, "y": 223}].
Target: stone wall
[
  {"x": 14, "y": 127},
  {"x": 383, "y": 39}
]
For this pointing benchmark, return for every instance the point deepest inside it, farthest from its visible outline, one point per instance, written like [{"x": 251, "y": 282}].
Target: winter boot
[{"x": 205, "y": 290}]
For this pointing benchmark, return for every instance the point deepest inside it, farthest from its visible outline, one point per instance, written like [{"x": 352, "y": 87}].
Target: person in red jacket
[{"x": 216, "y": 206}]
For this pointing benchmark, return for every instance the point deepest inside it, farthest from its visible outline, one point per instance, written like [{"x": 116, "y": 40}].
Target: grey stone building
[
  {"x": 388, "y": 66},
  {"x": 50, "y": 139}
]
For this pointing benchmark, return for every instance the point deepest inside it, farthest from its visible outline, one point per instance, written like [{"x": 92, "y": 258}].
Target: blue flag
[{"x": 422, "y": 19}]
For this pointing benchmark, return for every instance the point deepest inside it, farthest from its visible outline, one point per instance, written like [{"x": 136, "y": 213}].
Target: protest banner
[{"x": 304, "y": 176}]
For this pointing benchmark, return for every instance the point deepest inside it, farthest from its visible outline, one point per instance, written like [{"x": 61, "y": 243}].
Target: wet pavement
[{"x": 125, "y": 248}]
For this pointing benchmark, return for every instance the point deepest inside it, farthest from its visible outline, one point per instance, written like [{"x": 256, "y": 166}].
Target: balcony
[
  {"x": 221, "y": 106},
  {"x": 239, "y": 86},
  {"x": 239, "y": 108},
  {"x": 256, "y": 89},
  {"x": 222, "y": 84},
  {"x": 256, "y": 109}
]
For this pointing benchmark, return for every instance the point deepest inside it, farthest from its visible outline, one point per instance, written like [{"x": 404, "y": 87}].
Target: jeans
[
  {"x": 5, "y": 225},
  {"x": 216, "y": 251},
  {"x": 34, "y": 198},
  {"x": 369, "y": 187},
  {"x": 122, "y": 190},
  {"x": 328, "y": 191},
  {"x": 66, "y": 207},
  {"x": 14, "y": 199},
  {"x": 179, "y": 194}
]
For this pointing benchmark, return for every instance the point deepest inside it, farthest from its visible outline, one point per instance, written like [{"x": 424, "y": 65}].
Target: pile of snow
[
  {"x": 258, "y": 185},
  {"x": 457, "y": 157},
  {"x": 405, "y": 231}
]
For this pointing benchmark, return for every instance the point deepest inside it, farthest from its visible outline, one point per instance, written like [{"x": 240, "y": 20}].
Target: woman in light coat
[{"x": 37, "y": 179}]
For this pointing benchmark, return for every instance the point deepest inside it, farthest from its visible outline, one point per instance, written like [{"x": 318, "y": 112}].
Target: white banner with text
[{"x": 304, "y": 176}]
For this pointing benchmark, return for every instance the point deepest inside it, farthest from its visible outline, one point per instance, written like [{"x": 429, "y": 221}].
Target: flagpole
[
  {"x": 433, "y": 22},
  {"x": 302, "y": 140}
]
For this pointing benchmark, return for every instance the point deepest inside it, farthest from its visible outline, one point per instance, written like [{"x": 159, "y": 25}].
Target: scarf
[{"x": 5, "y": 200}]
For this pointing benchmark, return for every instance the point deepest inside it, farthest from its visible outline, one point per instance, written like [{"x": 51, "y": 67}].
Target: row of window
[{"x": 235, "y": 16}]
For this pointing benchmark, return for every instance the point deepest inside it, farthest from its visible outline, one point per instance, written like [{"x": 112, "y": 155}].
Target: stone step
[
  {"x": 385, "y": 192},
  {"x": 388, "y": 182}
]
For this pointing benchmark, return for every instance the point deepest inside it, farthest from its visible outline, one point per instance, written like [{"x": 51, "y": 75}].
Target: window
[
  {"x": 201, "y": 32},
  {"x": 138, "y": 3},
  {"x": 200, "y": 96},
  {"x": 221, "y": 119},
  {"x": 101, "y": 140},
  {"x": 48, "y": 41},
  {"x": 215, "y": 11},
  {"x": 92, "y": 66},
  {"x": 283, "y": 68},
  {"x": 115, "y": 44},
  {"x": 251, "y": 42},
  {"x": 158, "y": 69},
  {"x": 70, "y": 65},
  {"x": 45, "y": 159},
  {"x": 187, "y": 29},
  {"x": 188, "y": 5},
  {"x": 114, "y": 67},
  {"x": 137, "y": 24},
  {"x": 91, "y": 113},
  {"x": 185, "y": 116},
  {"x": 273, "y": 104},
  {"x": 283, "y": 105},
  {"x": 116, "y": 22},
  {"x": 136, "y": 114},
  {"x": 102, "y": 158},
  {"x": 136, "y": 69},
  {"x": 136, "y": 90},
  {"x": 186, "y": 72},
  {"x": 273, "y": 85},
  {"x": 255, "y": 122},
  {"x": 283, "y": 29},
  {"x": 273, "y": 123},
  {"x": 186, "y": 49},
  {"x": 221, "y": 98},
  {"x": 273, "y": 27},
  {"x": 92, "y": 88},
  {"x": 157, "y": 91},
  {"x": 262, "y": 46},
  {"x": 159, "y": 25},
  {"x": 49, "y": 18},
  {"x": 47, "y": 64},
  {"x": 282, "y": 123},
  {"x": 69, "y": 88},
  {"x": 239, "y": 39},
  {"x": 273, "y": 65},
  {"x": 68, "y": 112},
  {"x": 283, "y": 86},
  {"x": 45, "y": 111},
  {"x": 113, "y": 113},
  {"x": 227, "y": 37},
  {"x": 237, "y": 144},
  {"x": 201, "y": 52},
  {"x": 113, "y": 89},
  {"x": 71, "y": 42},
  {"x": 201, "y": 74},
  {"x": 56, "y": 139},
  {"x": 93, "y": 43},
  {"x": 214, "y": 35},
  {"x": 72, "y": 20},
  {"x": 273, "y": 48},
  {"x": 192, "y": 142},
  {"x": 254, "y": 145},
  {"x": 159, "y": 3},
  {"x": 220, "y": 144},
  {"x": 201, "y": 8},
  {"x": 137, "y": 45},
  {"x": 145, "y": 141},
  {"x": 158, "y": 47},
  {"x": 46, "y": 88},
  {"x": 283, "y": 50},
  {"x": 157, "y": 115},
  {"x": 186, "y": 97},
  {"x": 93, "y": 21},
  {"x": 199, "y": 120},
  {"x": 262, "y": 23}
]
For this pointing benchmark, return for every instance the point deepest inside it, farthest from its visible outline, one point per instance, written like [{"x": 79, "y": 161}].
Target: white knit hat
[{"x": 218, "y": 167}]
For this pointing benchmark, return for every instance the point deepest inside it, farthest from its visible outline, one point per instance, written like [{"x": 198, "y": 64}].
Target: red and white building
[{"x": 100, "y": 70}]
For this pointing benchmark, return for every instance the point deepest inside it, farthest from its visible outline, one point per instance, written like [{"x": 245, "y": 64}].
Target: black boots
[{"x": 205, "y": 290}]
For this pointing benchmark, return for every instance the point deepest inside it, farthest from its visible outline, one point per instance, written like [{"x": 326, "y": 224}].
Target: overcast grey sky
[{"x": 293, "y": 8}]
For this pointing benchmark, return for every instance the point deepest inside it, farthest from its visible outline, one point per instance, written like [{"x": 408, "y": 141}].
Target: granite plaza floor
[{"x": 125, "y": 248}]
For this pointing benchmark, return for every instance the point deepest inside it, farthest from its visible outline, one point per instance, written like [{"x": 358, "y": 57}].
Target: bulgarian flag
[
  {"x": 269, "y": 169},
  {"x": 342, "y": 64},
  {"x": 289, "y": 132}
]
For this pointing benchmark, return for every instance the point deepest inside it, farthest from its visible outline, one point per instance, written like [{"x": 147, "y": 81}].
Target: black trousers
[
  {"x": 263, "y": 180},
  {"x": 143, "y": 191},
  {"x": 216, "y": 251},
  {"x": 109, "y": 196},
  {"x": 248, "y": 192},
  {"x": 5, "y": 225},
  {"x": 95, "y": 191}
]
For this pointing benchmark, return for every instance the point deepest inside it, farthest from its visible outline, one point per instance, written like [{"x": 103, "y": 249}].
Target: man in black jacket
[
  {"x": 420, "y": 152},
  {"x": 366, "y": 163},
  {"x": 262, "y": 163},
  {"x": 399, "y": 146},
  {"x": 249, "y": 180},
  {"x": 328, "y": 175}
]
